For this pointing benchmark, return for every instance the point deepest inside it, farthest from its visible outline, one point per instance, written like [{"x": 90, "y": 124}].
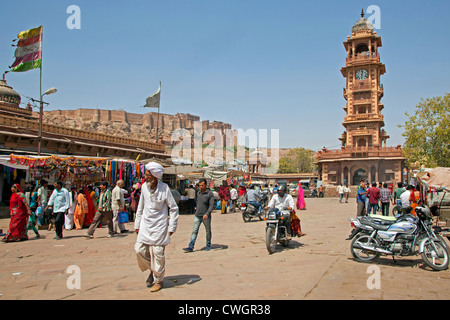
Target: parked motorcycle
[
  {"x": 249, "y": 211},
  {"x": 406, "y": 236},
  {"x": 276, "y": 231}
]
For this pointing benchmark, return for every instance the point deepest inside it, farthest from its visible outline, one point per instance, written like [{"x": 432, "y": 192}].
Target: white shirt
[
  {"x": 191, "y": 193},
  {"x": 156, "y": 216},
  {"x": 281, "y": 203},
  {"x": 404, "y": 198},
  {"x": 340, "y": 189},
  {"x": 233, "y": 194},
  {"x": 60, "y": 200},
  {"x": 117, "y": 194}
]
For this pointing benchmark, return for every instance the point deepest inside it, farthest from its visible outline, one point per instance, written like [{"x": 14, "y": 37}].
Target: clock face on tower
[{"x": 361, "y": 74}]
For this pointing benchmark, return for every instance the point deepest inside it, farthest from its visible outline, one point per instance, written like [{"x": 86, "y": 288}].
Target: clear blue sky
[{"x": 252, "y": 63}]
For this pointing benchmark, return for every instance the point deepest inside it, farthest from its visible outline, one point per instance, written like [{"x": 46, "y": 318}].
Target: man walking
[
  {"x": 340, "y": 190},
  {"x": 205, "y": 205},
  {"x": 60, "y": 201},
  {"x": 361, "y": 199},
  {"x": 104, "y": 211},
  {"x": 117, "y": 205},
  {"x": 385, "y": 199},
  {"x": 156, "y": 220},
  {"x": 373, "y": 193}
]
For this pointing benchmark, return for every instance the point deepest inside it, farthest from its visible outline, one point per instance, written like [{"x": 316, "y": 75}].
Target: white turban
[{"x": 155, "y": 169}]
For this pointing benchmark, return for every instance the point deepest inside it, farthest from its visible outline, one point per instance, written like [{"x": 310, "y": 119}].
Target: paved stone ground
[{"x": 316, "y": 266}]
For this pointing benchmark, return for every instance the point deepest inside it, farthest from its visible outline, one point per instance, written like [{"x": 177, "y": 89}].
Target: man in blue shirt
[
  {"x": 361, "y": 199},
  {"x": 254, "y": 198},
  {"x": 61, "y": 201}
]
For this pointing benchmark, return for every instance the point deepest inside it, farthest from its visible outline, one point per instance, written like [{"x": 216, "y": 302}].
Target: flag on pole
[
  {"x": 153, "y": 101},
  {"x": 29, "y": 50}
]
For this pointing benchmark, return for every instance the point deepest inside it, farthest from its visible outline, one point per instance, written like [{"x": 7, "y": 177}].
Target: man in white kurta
[{"x": 156, "y": 220}]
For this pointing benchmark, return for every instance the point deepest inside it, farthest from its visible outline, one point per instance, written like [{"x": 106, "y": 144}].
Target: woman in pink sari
[
  {"x": 20, "y": 211},
  {"x": 301, "y": 205}
]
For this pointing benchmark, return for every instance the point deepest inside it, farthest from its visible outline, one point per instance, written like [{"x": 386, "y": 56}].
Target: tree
[
  {"x": 427, "y": 133},
  {"x": 298, "y": 160}
]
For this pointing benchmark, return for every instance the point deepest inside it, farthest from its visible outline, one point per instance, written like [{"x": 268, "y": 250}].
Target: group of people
[
  {"x": 63, "y": 209},
  {"x": 379, "y": 197}
]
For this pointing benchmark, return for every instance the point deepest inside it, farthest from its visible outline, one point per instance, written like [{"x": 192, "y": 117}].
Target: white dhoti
[{"x": 151, "y": 258}]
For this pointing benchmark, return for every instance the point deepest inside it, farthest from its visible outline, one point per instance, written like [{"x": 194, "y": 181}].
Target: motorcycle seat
[
  {"x": 373, "y": 223},
  {"x": 384, "y": 218}
]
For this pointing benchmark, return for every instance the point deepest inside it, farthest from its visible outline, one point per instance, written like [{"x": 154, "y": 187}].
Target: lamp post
[{"x": 41, "y": 112}]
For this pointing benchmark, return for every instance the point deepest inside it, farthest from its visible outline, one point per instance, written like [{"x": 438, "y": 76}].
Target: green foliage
[
  {"x": 427, "y": 133},
  {"x": 298, "y": 160}
]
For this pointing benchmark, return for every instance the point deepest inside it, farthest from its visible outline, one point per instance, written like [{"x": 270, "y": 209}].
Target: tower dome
[
  {"x": 8, "y": 95},
  {"x": 362, "y": 24}
]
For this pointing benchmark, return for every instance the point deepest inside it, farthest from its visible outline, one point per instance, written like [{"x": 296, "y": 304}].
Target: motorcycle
[
  {"x": 407, "y": 235},
  {"x": 276, "y": 231},
  {"x": 249, "y": 211}
]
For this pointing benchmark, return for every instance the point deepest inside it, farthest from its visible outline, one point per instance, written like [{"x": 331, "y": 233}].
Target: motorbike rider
[
  {"x": 285, "y": 203},
  {"x": 254, "y": 198}
]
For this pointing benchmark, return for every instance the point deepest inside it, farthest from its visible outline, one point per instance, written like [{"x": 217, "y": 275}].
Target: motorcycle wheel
[
  {"x": 435, "y": 255},
  {"x": 246, "y": 216},
  {"x": 361, "y": 254},
  {"x": 271, "y": 241}
]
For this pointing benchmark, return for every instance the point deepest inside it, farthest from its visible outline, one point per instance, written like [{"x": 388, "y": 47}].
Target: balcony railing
[{"x": 359, "y": 152}]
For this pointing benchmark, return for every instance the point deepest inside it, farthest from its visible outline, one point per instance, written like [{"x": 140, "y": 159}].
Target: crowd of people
[{"x": 378, "y": 197}]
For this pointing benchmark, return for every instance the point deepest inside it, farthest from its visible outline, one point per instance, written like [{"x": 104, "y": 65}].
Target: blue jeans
[
  {"x": 207, "y": 223},
  {"x": 256, "y": 204},
  {"x": 372, "y": 206}
]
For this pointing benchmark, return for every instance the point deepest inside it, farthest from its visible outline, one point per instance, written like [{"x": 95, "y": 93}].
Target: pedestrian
[
  {"x": 191, "y": 199},
  {"x": 301, "y": 204},
  {"x": 60, "y": 201},
  {"x": 205, "y": 206},
  {"x": 42, "y": 202},
  {"x": 118, "y": 205},
  {"x": 156, "y": 220},
  {"x": 233, "y": 198},
  {"x": 32, "y": 218},
  {"x": 81, "y": 209},
  {"x": 397, "y": 192},
  {"x": 346, "y": 193},
  {"x": 321, "y": 191},
  {"x": 340, "y": 190},
  {"x": 104, "y": 211},
  {"x": 224, "y": 195},
  {"x": 19, "y": 211},
  {"x": 405, "y": 197},
  {"x": 69, "y": 219},
  {"x": 135, "y": 195},
  {"x": 373, "y": 193},
  {"x": 361, "y": 199},
  {"x": 385, "y": 199}
]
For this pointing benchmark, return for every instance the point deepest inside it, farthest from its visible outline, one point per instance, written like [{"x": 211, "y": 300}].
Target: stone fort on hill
[{"x": 131, "y": 125}]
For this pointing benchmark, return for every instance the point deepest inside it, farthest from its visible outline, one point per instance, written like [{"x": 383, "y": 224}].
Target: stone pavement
[{"x": 316, "y": 266}]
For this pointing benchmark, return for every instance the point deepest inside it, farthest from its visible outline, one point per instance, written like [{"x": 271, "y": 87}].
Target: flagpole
[
  {"x": 41, "y": 107},
  {"x": 157, "y": 119}
]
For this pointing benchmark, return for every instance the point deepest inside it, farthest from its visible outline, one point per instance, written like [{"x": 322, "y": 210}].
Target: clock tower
[
  {"x": 363, "y": 154},
  {"x": 363, "y": 122}
]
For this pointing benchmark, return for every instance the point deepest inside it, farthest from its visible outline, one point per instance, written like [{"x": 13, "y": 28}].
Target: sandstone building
[{"x": 364, "y": 153}]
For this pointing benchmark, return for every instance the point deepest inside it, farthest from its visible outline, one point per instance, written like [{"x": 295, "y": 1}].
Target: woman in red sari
[{"x": 20, "y": 211}]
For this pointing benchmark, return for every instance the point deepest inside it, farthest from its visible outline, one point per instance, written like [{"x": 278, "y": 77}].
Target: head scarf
[
  {"x": 17, "y": 186},
  {"x": 155, "y": 169}
]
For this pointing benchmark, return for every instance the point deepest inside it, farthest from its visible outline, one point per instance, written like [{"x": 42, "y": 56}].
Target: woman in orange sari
[
  {"x": 20, "y": 210},
  {"x": 80, "y": 210}
]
